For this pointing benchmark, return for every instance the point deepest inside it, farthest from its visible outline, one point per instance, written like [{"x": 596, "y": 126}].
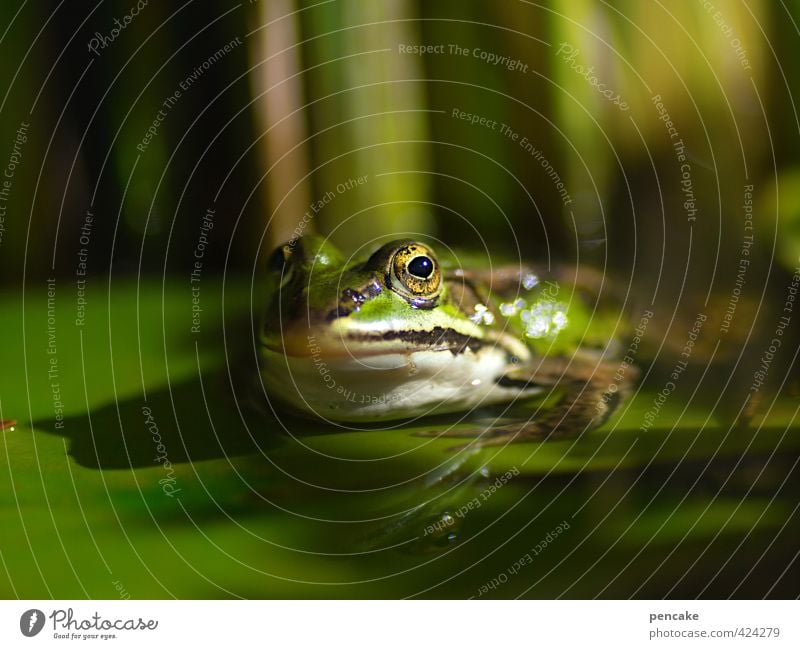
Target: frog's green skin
[{"x": 343, "y": 340}]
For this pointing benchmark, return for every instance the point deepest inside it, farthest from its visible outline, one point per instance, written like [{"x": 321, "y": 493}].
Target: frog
[{"x": 513, "y": 352}]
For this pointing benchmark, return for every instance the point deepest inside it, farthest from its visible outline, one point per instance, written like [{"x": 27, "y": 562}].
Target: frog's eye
[{"x": 415, "y": 272}]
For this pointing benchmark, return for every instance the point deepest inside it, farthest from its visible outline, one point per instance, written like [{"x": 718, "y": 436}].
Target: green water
[{"x": 234, "y": 503}]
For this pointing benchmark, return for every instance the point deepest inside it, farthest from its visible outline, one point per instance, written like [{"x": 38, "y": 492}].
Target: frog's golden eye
[{"x": 415, "y": 272}]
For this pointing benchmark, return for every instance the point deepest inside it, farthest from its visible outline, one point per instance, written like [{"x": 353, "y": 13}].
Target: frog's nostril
[{"x": 421, "y": 267}]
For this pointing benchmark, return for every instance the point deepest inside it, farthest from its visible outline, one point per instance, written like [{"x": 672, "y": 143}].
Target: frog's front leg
[
  {"x": 589, "y": 395},
  {"x": 582, "y": 407}
]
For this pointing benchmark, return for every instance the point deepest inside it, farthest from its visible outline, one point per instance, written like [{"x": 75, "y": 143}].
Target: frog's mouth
[
  {"x": 437, "y": 339},
  {"x": 376, "y": 343},
  {"x": 371, "y": 344}
]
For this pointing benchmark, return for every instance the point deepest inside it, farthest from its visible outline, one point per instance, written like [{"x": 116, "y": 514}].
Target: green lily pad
[{"x": 149, "y": 473}]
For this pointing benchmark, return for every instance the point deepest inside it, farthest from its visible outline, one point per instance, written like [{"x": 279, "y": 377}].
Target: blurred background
[
  {"x": 658, "y": 143},
  {"x": 308, "y": 95}
]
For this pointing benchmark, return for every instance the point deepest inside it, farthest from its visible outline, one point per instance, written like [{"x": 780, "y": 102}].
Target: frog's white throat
[{"x": 388, "y": 386}]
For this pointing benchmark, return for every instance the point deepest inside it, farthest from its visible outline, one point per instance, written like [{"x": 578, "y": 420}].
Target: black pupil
[{"x": 421, "y": 267}]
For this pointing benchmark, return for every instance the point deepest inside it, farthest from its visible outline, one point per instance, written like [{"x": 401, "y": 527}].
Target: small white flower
[
  {"x": 507, "y": 309},
  {"x": 529, "y": 280},
  {"x": 544, "y": 319},
  {"x": 559, "y": 321},
  {"x": 482, "y": 315},
  {"x": 537, "y": 328}
]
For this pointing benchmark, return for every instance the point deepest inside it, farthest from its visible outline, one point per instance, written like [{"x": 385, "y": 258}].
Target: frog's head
[
  {"x": 390, "y": 335},
  {"x": 397, "y": 300}
]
